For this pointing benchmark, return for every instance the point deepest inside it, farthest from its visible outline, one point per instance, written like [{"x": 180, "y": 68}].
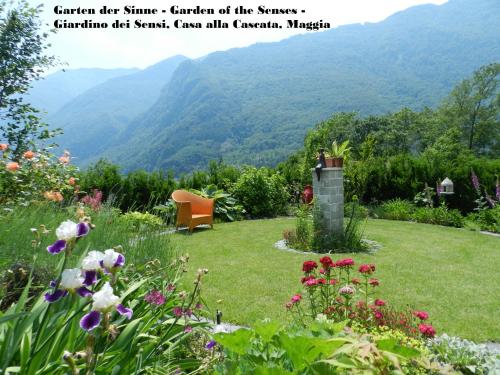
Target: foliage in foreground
[
  {"x": 324, "y": 347},
  {"x": 464, "y": 355},
  {"x": 101, "y": 317}
]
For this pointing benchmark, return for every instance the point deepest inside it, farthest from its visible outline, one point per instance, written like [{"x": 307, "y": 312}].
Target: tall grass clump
[{"x": 15, "y": 246}]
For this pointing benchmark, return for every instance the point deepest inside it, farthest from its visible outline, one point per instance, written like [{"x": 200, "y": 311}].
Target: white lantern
[{"x": 446, "y": 186}]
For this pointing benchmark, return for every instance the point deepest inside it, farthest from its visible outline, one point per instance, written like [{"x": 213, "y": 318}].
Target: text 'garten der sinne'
[{"x": 177, "y": 17}]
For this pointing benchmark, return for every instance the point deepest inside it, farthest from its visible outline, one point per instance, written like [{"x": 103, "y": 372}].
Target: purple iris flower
[
  {"x": 57, "y": 247},
  {"x": 67, "y": 231},
  {"x": 90, "y": 277},
  {"x": 82, "y": 229},
  {"x": 84, "y": 292},
  {"x": 210, "y": 344},
  {"x": 90, "y": 320},
  {"x": 93, "y": 318},
  {"x": 55, "y": 296},
  {"x": 124, "y": 311}
]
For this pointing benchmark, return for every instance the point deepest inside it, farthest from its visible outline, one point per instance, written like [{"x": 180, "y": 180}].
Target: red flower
[
  {"x": 345, "y": 262},
  {"x": 321, "y": 281},
  {"x": 367, "y": 268},
  {"x": 422, "y": 315},
  {"x": 296, "y": 298},
  {"x": 305, "y": 279},
  {"x": 333, "y": 281},
  {"x": 378, "y": 315},
  {"x": 355, "y": 281},
  {"x": 29, "y": 154},
  {"x": 327, "y": 262},
  {"x": 311, "y": 282},
  {"x": 427, "y": 330},
  {"x": 379, "y": 302},
  {"x": 309, "y": 266},
  {"x": 322, "y": 271},
  {"x": 373, "y": 282}
]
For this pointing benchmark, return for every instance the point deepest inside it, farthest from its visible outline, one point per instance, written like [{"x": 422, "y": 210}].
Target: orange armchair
[{"x": 193, "y": 210}]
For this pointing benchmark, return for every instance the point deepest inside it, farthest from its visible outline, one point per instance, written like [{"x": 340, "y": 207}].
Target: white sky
[{"x": 112, "y": 48}]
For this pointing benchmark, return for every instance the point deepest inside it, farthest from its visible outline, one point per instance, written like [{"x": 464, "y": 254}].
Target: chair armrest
[
  {"x": 184, "y": 208},
  {"x": 205, "y": 207}
]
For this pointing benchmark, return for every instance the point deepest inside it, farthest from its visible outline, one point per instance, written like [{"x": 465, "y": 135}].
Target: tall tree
[
  {"x": 23, "y": 59},
  {"x": 474, "y": 107}
]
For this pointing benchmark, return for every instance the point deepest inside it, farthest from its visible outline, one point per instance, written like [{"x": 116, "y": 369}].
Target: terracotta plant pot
[
  {"x": 330, "y": 162},
  {"x": 338, "y": 162}
]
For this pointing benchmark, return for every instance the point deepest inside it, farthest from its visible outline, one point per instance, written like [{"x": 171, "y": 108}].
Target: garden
[{"x": 374, "y": 249}]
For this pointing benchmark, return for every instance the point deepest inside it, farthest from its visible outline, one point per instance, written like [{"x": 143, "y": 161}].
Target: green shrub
[
  {"x": 261, "y": 193},
  {"x": 37, "y": 176},
  {"x": 311, "y": 234},
  {"x": 440, "y": 216},
  {"x": 360, "y": 211},
  {"x": 463, "y": 355},
  {"x": 396, "y": 209},
  {"x": 323, "y": 347},
  {"x": 226, "y": 207},
  {"x": 487, "y": 219},
  {"x": 142, "y": 221}
]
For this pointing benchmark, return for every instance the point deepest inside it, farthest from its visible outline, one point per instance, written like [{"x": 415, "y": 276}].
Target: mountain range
[{"x": 255, "y": 104}]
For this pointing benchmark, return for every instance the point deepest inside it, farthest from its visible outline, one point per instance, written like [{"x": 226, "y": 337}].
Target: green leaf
[
  {"x": 392, "y": 346},
  {"x": 127, "y": 335},
  {"x": 237, "y": 341},
  {"x": 303, "y": 351},
  {"x": 25, "y": 348},
  {"x": 267, "y": 330}
]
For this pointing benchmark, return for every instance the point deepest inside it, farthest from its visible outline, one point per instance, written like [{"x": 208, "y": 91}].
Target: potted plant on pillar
[{"x": 336, "y": 154}]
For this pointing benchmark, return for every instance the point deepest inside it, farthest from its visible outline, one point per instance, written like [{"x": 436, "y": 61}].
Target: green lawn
[{"x": 451, "y": 273}]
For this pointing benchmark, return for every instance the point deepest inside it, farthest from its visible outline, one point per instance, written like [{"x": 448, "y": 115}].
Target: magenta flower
[
  {"x": 155, "y": 298},
  {"x": 475, "y": 181},
  {"x": 177, "y": 311}
]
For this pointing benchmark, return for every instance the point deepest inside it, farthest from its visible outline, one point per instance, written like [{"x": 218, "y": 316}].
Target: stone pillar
[{"x": 329, "y": 195}]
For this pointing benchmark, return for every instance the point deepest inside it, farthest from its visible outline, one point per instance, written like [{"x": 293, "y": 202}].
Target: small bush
[
  {"x": 487, "y": 219},
  {"x": 465, "y": 356},
  {"x": 290, "y": 237},
  {"x": 226, "y": 207},
  {"x": 142, "y": 221},
  {"x": 396, "y": 209},
  {"x": 439, "y": 216},
  {"x": 261, "y": 193},
  {"x": 360, "y": 211}
]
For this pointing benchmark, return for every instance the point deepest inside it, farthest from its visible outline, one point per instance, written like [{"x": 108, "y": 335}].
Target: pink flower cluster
[{"x": 332, "y": 291}]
